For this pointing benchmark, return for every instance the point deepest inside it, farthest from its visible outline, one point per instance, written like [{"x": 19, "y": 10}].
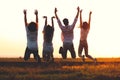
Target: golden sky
[{"x": 103, "y": 38}]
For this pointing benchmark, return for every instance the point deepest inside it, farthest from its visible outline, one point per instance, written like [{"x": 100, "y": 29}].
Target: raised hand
[
  {"x": 78, "y": 8},
  {"x": 25, "y": 11},
  {"x": 36, "y": 12},
  {"x": 90, "y": 12},
  {"x": 81, "y": 11},
  {"x": 53, "y": 17},
  {"x": 55, "y": 10},
  {"x": 44, "y": 16}
]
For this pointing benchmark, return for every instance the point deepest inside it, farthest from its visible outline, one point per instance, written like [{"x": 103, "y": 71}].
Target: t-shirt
[
  {"x": 32, "y": 39},
  {"x": 67, "y": 34}
]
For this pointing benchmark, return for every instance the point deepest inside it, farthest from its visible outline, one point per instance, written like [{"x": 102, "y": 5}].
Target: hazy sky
[{"x": 103, "y": 38}]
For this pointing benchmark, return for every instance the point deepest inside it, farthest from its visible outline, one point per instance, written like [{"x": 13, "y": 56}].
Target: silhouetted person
[
  {"x": 85, "y": 27},
  {"x": 32, "y": 34},
  {"x": 48, "y": 33},
  {"x": 67, "y": 35}
]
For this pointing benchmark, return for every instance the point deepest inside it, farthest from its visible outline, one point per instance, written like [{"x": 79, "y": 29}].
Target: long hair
[
  {"x": 32, "y": 26},
  {"x": 48, "y": 33}
]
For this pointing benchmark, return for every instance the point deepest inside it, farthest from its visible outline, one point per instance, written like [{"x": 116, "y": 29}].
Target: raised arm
[
  {"x": 36, "y": 13},
  {"x": 81, "y": 22},
  {"x": 56, "y": 13},
  {"x": 25, "y": 17},
  {"x": 58, "y": 20},
  {"x": 78, "y": 9},
  {"x": 45, "y": 17},
  {"x": 76, "y": 18},
  {"x": 89, "y": 19},
  {"x": 52, "y": 21}
]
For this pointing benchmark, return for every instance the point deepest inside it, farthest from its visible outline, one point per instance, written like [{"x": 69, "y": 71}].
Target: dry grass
[{"x": 69, "y": 69}]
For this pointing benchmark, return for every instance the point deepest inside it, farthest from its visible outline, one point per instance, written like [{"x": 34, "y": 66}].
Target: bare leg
[{"x": 89, "y": 56}]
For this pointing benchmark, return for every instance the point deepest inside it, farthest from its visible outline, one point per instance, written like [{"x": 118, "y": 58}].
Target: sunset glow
[{"x": 103, "y": 38}]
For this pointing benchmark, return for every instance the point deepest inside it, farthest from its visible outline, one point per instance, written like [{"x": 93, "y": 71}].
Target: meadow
[{"x": 69, "y": 69}]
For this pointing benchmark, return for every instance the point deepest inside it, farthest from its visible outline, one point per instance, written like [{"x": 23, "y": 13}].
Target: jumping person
[
  {"x": 48, "y": 33},
  {"x": 85, "y": 27},
  {"x": 32, "y": 34},
  {"x": 67, "y": 35}
]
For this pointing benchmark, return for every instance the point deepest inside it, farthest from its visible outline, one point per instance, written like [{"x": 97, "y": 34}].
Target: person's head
[
  {"x": 85, "y": 25},
  {"x": 48, "y": 29},
  {"x": 65, "y": 21},
  {"x": 32, "y": 26}
]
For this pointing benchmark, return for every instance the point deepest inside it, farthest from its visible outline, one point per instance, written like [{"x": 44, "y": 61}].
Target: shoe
[{"x": 61, "y": 50}]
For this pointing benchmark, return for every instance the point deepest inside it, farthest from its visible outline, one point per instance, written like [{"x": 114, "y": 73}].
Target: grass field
[{"x": 69, "y": 69}]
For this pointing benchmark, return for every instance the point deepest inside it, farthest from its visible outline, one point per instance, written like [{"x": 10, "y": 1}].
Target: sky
[{"x": 103, "y": 38}]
